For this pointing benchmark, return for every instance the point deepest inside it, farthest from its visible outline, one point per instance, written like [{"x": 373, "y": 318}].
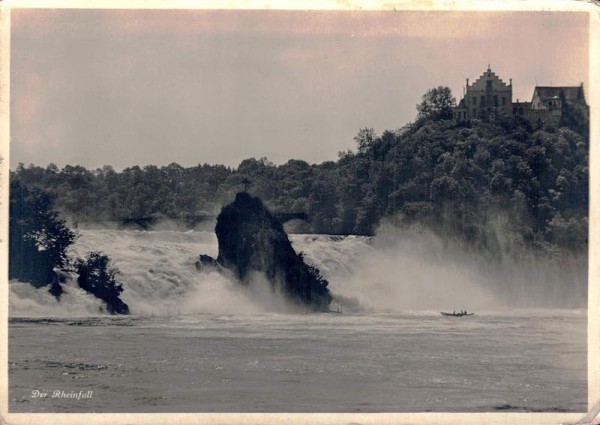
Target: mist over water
[
  {"x": 26, "y": 300},
  {"x": 410, "y": 271},
  {"x": 406, "y": 269},
  {"x": 397, "y": 270}
]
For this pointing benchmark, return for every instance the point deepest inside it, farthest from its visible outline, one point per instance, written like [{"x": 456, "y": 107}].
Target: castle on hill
[{"x": 489, "y": 96}]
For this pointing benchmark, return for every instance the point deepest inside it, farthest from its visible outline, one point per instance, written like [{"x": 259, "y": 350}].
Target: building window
[
  {"x": 495, "y": 100},
  {"x": 482, "y": 103},
  {"x": 503, "y": 101},
  {"x": 474, "y": 102}
]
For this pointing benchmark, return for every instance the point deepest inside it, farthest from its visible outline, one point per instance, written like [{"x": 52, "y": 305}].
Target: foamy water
[
  {"x": 159, "y": 276},
  {"x": 394, "y": 271}
]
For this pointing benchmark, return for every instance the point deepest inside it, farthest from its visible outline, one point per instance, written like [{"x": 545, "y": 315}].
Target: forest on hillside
[{"x": 492, "y": 185}]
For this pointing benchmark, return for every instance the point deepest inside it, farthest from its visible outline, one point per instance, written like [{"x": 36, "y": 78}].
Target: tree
[
  {"x": 436, "y": 104},
  {"x": 97, "y": 277},
  {"x": 38, "y": 238},
  {"x": 365, "y": 139}
]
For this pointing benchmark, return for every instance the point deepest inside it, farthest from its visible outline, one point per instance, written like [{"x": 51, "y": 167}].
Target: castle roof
[
  {"x": 572, "y": 94},
  {"x": 488, "y": 75}
]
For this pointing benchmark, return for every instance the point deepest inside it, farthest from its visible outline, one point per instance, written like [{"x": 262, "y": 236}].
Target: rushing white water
[
  {"x": 159, "y": 276},
  {"x": 395, "y": 271}
]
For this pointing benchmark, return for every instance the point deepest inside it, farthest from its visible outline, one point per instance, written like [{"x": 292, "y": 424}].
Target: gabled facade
[{"x": 489, "y": 96}]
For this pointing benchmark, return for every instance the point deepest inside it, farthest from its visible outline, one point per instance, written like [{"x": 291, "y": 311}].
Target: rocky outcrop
[
  {"x": 251, "y": 239},
  {"x": 97, "y": 277}
]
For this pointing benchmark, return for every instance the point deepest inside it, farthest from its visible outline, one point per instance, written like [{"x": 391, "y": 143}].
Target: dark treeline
[{"x": 488, "y": 184}]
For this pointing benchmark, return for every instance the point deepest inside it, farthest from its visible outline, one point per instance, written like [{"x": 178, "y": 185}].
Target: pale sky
[{"x": 138, "y": 87}]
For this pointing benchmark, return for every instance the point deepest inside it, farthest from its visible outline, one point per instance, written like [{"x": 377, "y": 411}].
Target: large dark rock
[{"x": 251, "y": 239}]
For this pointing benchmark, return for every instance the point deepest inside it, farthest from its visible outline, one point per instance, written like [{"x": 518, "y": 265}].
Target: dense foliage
[
  {"x": 38, "y": 239},
  {"x": 492, "y": 185},
  {"x": 96, "y": 276},
  {"x": 436, "y": 104}
]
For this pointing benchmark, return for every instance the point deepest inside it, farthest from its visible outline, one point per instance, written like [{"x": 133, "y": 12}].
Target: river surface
[{"x": 524, "y": 361}]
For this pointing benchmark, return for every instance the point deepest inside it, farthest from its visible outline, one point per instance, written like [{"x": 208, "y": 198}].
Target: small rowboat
[{"x": 457, "y": 314}]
